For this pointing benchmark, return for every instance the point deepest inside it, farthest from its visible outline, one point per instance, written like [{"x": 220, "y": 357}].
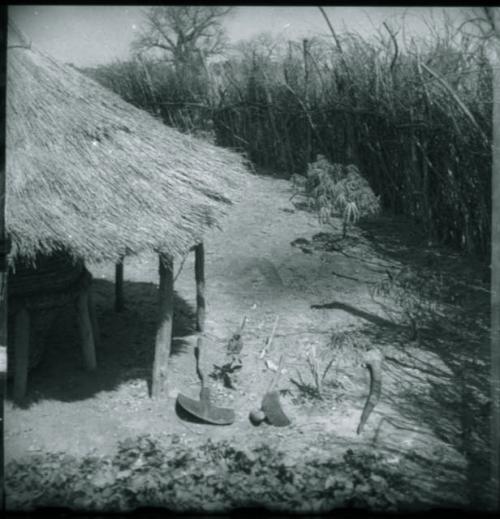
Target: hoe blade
[
  {"x": 271, "y": 406},
  {"x": 203, "y": 409}
]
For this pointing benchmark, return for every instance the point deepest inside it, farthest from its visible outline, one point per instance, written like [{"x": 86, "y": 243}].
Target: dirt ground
[{"x": 431, "y": 419}]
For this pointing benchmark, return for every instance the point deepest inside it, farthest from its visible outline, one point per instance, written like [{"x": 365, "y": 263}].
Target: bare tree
[
  {"x": 183, "y": 34},
  {"x": 264, "y": 44}
]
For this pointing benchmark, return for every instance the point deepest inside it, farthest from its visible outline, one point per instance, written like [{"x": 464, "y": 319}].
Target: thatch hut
[{"x": 92, "y": 177}]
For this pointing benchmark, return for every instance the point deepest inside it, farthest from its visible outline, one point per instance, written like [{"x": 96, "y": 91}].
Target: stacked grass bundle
[
  {"x": 91, "y": 174},
  {"x": 335, "y": 188}
]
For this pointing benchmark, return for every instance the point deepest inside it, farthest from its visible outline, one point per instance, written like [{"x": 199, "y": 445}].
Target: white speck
[
  {"x": 271, "y": 365},
  {"x": 94, "y": 143},
  {"x": 134, "y": 26}
]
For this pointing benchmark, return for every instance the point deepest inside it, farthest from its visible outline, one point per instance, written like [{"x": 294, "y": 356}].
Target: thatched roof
[{"x": 90, "y": 173}]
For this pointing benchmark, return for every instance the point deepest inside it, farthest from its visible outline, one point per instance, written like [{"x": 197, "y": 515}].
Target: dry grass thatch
[{"x": 90, "y": 173}]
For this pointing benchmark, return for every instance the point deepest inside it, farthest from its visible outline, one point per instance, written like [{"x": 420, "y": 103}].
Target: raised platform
[{"x": 36, "y": 293}]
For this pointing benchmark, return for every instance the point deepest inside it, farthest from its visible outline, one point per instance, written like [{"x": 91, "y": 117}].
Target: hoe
[{"x": 203, "y": 409}]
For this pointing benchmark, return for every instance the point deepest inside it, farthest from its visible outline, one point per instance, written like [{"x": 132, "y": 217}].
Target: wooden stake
[
  {"x": 22, "y": 350},
  {"x": 93, "y": 319},
  {"x": 199, "y": 272},
  {"x": 3, "y": 322},
  {"x": 164, "y": 331},
  {"x": 305, "y": 52},
  {"x": 86, "y": 332},
  {"x": 119, "y": 301}
]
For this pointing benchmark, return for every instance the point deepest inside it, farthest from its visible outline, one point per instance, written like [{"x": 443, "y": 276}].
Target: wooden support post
[
  {"x": 199, "y": 273},
  {"x": 119, "y": 301},
  {"x": 22, "y": 351},
  {"x": 86, "y": 333},
  {"x": 308, "y": 133},
  {"x": 93, "y": 319},
  {"x": 3, "y": 324},
  {"x": 164, "y": 331}
]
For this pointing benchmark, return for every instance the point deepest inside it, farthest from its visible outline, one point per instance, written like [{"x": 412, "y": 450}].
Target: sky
[{"x": 91, "y": 35}]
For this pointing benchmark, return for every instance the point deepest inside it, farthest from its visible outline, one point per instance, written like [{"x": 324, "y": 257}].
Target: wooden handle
[
  {"x": 199, "y": 271},
  {"x": 267, "y": 346},
  {"x": 276, "y": 377},
  {"x": 243, "y": 324},
  {"x": 197, "y": 352}
]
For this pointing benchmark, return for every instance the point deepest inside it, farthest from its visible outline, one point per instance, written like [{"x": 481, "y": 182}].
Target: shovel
[{"x": 203, "y": 408}]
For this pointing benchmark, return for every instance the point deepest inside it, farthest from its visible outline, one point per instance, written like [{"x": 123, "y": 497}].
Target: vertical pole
[
  {"x": 22, "y": 334},
  {"x": 164, "y": 331},
  {"x": 86, "y": 333},
  {"x": 119, "y": 301},
  {"x": 199, "y": 273},
  {"x": 93, "y": 318},
  {"x": 495, "y": 275},
  {"x": 305, "y": 52}
]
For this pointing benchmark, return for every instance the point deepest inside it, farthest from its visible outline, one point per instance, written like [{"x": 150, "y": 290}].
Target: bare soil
[{"x": 432, "y": 419}]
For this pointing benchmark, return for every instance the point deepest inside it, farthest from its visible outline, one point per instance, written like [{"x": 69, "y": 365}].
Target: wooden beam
[
  {"x": 22, "y": 350},
  {"x": 199, "y": 273},
  {"x": 164, "y": 330},
  {"x": 119, "y": 300},
  {"x": 86, "y": 332}
]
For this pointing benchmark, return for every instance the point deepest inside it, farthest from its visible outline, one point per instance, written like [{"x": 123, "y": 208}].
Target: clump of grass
[
  {"x": 343, "y": 347},
  {"x": 317, "y": 369},
  {"x": 227, "y": 373}
]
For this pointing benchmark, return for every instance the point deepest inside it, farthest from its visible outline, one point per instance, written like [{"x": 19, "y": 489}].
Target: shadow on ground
[
  {"x": 399, "y": 239},
  {"x": 441, "y": 384},
  {"x": 441, "y": 381},
  {"x": 126, "y": 350}
]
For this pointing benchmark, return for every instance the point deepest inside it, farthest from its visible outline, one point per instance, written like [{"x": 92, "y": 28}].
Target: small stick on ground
[{"x": 270, "y": 339}]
